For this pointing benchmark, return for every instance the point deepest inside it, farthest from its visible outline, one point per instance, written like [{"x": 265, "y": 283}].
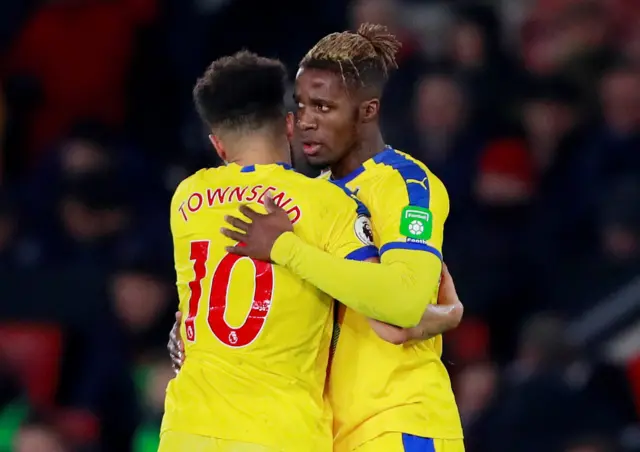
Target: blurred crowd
[{"x": 528, "y": 110}]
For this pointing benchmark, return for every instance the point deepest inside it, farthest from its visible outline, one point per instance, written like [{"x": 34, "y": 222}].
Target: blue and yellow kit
[{"x": 376, "y": 388}]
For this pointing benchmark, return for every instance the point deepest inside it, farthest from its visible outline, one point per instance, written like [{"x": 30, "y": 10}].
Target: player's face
[{"x": 327, "y": 117}]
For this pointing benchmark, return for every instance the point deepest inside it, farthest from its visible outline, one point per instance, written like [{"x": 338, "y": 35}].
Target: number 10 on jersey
[{"x": 253, "y": 324}]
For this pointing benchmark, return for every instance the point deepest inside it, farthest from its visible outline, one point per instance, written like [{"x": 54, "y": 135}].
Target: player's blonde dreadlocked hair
[{"x": 366, "y": 57}]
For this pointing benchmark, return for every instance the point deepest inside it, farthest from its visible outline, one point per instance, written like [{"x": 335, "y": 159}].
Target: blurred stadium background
[{"x": 529, "y": 110}]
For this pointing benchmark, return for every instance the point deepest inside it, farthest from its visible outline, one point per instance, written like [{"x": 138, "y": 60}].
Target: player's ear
[
  {"x": 290, "y": 125},
  {"x": 369, "y": 110},
  {"x": 218, "y": 146}
]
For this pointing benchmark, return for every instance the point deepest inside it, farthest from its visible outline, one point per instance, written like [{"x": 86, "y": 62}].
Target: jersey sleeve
[
  {"x": 397, "y": 290},
  {"x": 412, "y": 212},
  {"x": 349, "y": 234},
  {"x": 409, "y": 221}
]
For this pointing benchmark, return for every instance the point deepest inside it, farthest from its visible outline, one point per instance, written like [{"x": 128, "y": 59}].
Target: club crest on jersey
[
  {"x": 363, "y": 230},
  {"x": 416, "y": 223}
]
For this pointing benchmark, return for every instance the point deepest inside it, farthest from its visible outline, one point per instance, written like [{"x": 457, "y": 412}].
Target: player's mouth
[{"x": 311, "y": 148}]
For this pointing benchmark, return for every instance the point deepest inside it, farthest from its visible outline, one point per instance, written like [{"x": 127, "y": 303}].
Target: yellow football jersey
[
  {"x": 376, "y": 387},
  {"x": 256, "y": 336}
]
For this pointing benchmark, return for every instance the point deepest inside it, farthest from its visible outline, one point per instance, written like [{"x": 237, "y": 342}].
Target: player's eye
[
  {"x": 300, "y": 105},
  {"x": 322, "y": 108}
]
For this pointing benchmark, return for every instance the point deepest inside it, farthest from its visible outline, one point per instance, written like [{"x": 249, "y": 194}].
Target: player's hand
[
  {"x": 390, "y": 333},
  {"x": 441, "y": 317},
  {"x": 447, "y": 294},
  {"x": 175, "y": 345},
  {"x": 437, "y": 319},
  {"x": 256, "y": 239}
]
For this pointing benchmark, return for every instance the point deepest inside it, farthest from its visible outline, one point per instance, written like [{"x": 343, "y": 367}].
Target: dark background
[{"x": 529, "y": 111}]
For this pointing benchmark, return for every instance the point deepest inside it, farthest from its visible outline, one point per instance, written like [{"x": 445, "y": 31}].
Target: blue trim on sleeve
[
  {"x": 362, "y": 254},
  {"x": 413, "y": 246},
  {"x": 412, "y": 443},
  {"x": 414, "y": 176}
]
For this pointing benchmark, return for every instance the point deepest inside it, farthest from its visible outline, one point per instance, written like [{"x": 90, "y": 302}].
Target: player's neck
[
  {"x": 259, "y": 152},
  {"x": 362, "y": 151}
]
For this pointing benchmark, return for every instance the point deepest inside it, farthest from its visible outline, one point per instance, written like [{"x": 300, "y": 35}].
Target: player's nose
[
  {"x": 306, "y": 125},
  {"x": 305, "y": 121}
]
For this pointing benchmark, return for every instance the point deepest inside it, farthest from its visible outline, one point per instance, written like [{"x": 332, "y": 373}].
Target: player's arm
[
  {"x": 346, "y": 229},
  {"x": 416, "y": 236},
  {"x": 397, "y": 291},
  {"x": 437, "y": 319},
  {"x": 175, "y": 346},
  {"x": 349, "y": 239}
]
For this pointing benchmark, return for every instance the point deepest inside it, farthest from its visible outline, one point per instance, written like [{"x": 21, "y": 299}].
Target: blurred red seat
[
  {"x": 78, "y": 426},
  {"x": 633, "y": 370},
  {"x": 33, "y": 353},
  {"x": 469, "y": 342}
]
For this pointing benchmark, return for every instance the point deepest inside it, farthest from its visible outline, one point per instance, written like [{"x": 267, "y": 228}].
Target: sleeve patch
[
  {"x": 416, "y": 223},
  {"x": 363, "y": 230}
]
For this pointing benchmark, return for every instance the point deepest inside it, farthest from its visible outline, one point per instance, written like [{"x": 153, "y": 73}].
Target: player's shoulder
[
  {"x": 391, "y": 163},
  {"x": 188, "y": 183},
  {"x": 194, "y": 182},
  {"x": 396, "y": 170},
  {"x": 324, "y": 190},
  {"x": 342, "y": 193},
  {"x": 396, "y": 179},
  {"x": 328, "y": 200}
]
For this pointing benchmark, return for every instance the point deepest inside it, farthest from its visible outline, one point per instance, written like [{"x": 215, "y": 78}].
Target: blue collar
[
  {"x": 251, "y": 168},
  {"x": 359, "y": 170}
]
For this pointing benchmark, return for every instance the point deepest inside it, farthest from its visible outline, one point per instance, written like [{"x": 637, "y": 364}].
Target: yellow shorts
[
  {"x": 402, "y": 442},
  {"x": 185, "y": 442}
]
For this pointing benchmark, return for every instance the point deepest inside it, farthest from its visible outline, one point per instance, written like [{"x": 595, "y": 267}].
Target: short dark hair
[
  {"x": 363, "y": 59},
  {"x": 243, "y": 90}
]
